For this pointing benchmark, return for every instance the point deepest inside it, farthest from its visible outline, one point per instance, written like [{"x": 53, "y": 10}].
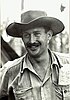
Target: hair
[{"x": 46, "y": 29}]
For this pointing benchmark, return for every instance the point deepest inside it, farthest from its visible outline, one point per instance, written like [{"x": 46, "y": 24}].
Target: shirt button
[{"x": 65, "y": 91}]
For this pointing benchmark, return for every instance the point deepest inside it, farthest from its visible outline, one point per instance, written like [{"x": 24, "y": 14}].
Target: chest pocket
[
  {"x": 57, "y": 91},
  {"x": 22, "y": 88},
  {"x": 26, "y": 94}
]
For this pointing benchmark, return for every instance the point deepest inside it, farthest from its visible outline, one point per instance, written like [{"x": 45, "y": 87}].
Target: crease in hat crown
[{"x": 32, "y": 15}]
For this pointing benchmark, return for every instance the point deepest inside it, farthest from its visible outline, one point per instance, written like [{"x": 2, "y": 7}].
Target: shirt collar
[
  {"x": 27, "y": 64},
  {"x": 53, "y": 58}
]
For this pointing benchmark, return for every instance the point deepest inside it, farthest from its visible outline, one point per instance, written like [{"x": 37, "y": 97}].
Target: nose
[{"x": 33, "y": 38}]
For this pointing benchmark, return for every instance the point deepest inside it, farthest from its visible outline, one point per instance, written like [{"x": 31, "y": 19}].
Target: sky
[{"x": 11, "y": 9}]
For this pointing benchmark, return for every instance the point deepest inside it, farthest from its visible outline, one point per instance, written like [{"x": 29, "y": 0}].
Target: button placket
[{"x": 42, "y": 93}]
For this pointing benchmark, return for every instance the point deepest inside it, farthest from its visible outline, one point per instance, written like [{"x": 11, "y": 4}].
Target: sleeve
[
  {"x": 7, "y": 74},
  {"x": 64, "y": 74},
  {"x": 4, "y": 77}
]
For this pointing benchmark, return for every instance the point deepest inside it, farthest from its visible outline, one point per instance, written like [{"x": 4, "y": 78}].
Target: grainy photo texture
[{"x": 34, "y": 61}]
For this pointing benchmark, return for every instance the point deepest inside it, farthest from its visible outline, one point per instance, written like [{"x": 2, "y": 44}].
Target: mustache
[{"x": 33, "y": 44}]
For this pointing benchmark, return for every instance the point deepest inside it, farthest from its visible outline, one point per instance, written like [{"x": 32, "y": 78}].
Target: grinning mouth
[{"x": 33, "y": 45}]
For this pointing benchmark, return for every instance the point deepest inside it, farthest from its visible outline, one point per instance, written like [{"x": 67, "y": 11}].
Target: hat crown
[{"x": 30, "y": 16}]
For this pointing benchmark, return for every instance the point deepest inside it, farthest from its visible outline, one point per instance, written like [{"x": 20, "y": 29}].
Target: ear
[{"x": 49, "y": 35}]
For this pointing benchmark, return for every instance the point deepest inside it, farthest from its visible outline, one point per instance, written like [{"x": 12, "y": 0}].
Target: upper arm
[{"x": 4, "y": 77}]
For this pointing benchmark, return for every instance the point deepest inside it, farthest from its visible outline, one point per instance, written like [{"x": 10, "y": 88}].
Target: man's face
[{"x": 36, "y": 41}]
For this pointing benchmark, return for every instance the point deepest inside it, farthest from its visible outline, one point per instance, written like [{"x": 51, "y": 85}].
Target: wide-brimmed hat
[{"x": 34, "y": 18}]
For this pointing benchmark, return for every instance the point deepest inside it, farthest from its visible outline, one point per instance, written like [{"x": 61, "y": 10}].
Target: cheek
[
  {"x": 44, "y": 42},
  {"x": 44, "y": 39},
  {"x": 25, "y": 41}
]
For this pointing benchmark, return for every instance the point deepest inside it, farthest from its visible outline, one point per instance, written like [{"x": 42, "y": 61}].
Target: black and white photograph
[{"x": 34, "y": 50}]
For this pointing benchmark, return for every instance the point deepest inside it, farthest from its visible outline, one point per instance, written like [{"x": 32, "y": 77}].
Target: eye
[
  {"x": 26, "y": 35},
  {"x": 37, "y": 34}
]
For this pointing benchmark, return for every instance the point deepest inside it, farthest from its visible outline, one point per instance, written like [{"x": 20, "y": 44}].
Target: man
[{"x": 36, "y": 75}]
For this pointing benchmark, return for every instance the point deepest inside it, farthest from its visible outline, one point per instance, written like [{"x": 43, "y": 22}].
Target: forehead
[{"x": 36, "y": 29}]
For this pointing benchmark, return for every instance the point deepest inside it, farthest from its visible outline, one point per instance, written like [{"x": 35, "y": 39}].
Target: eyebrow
[
  {"x": 36, "y": 31},
  {"x": 30, "y": 33},
  {"x": 25, "y": 32}
]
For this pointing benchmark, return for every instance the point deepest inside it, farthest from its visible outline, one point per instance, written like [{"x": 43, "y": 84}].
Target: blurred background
[{"x": 10, "y": 11}]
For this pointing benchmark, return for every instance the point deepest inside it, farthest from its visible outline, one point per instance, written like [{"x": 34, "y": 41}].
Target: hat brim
[{"x": 16, "y": 29}]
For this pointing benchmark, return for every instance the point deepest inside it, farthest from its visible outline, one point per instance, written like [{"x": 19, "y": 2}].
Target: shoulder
[
  {"x": 62, "y": 57},
  {"x": 11, "y": 66},
  {"x": 9, "y": 71}
]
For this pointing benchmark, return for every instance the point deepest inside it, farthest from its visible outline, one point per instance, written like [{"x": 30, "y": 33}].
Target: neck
[{"x": 41, "y": 64}]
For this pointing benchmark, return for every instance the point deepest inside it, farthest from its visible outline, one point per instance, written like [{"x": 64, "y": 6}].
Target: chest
[{"x": 29, "y": 87}]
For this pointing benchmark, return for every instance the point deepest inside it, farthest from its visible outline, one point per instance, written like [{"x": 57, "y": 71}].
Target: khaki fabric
[{"x": 26, "y": 83}]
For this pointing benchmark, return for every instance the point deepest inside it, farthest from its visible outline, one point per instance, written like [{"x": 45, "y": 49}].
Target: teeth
[{"x": 33, "y": 46}]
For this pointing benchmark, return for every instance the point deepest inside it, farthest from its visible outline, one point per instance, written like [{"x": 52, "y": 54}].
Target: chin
[{"x": 33, "y": 54}]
